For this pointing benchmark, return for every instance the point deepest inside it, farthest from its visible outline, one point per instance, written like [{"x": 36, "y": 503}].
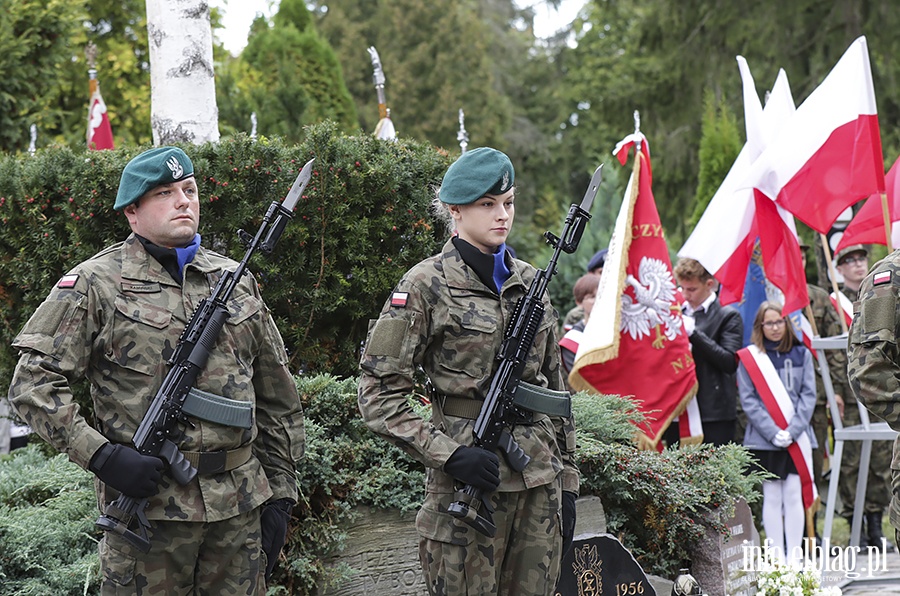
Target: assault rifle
[
  {"x": 498, "y": 416},
  {"x": 161, "y": 426}
]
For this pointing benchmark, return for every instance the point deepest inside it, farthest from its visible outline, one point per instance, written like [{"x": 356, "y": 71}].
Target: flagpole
[
  {"x": 887, "y": 222},
  {"x": 832, "y": 273},
  {"x": 379, "y": 80},
  {"x": 462, "y": 136}
]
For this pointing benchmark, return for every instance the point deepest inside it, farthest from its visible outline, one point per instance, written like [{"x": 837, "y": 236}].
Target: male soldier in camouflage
[
  {"x": 114, "y": 320},
  {"x": 852, "y": 264},
  {"x": 447, "y": 315}
]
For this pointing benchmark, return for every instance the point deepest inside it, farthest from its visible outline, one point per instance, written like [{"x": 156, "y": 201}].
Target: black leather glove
[
  {"x": 273, "y": 522},
  {"x": 475, "y": 466},
  {"x": 568, "y": 520},
  {"x": 127, "y": 471}
]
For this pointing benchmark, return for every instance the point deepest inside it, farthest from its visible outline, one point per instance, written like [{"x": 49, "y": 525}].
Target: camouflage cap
[
  {"x": 477, "y": 173},
  {"x": 848, "y": 250},
  {"x": 162, "y": 165}
]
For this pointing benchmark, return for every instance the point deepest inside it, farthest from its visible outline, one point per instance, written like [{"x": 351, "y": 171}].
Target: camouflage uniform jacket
[
  {"x": 443, "y": 319},
  {"x": 828, "y": 325},
  {"x": 116, "y": 324},
  {"x": 873, "y": 354}
]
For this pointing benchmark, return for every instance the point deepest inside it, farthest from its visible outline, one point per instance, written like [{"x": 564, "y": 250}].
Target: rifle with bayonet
[
  {"x": 500, "y": 411},
  {"x": 161, "y": 426}
]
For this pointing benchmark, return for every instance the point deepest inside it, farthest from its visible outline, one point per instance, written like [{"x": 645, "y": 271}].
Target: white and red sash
[
  {"x": 571, "y": 340},
  {"x": 846, "y": 306},
  {"x": 690, "y": 428},
  {"x": 777, "y": 401}
]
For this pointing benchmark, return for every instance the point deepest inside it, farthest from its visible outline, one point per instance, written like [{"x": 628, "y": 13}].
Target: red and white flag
[
  {"x": 634, "y": 343},
  {"x": 842, "y": 304},
  {"x": 867, "y": 226},
  {"x": 99, "y": 131},
  {"x": 724, "y": 238},
  {"x": 828, "y": 155},
  {"x": 778, "y": 403}
]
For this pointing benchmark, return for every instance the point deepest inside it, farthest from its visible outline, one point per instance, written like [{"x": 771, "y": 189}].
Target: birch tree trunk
[{"x": 182, "y": 82}]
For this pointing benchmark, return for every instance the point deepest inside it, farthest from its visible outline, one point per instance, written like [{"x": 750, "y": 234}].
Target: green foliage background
[
  {"x": 362, "y": 222},
  {"x": 658, "y": 504}
]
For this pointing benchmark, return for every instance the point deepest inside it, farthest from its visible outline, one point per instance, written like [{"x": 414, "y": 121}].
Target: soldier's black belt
[
  {"x": 214, "y": 462},
  {"x": 218, "y": 409},
  {"x": 530, "y": 397}
]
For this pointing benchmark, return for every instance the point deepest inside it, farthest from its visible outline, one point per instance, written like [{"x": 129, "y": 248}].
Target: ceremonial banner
[
  {"x": 867, "y": 226},
  {"x": 99, "y": 131},
  {"x": 634, "y": 343},
  {"x": 738, "y": 220},
  {"x": 828, "y": 155}
]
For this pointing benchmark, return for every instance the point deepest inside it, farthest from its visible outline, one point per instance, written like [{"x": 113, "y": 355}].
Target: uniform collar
[
  {"x": 460, "y": 276},
  {"x": 138, "y": 264}
]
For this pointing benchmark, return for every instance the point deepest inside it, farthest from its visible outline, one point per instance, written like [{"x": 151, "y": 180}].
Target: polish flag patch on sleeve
[
  {"x": 399, "y": 299},
  {"x": 881, "y": 278},
  {"x": 67, "y": 281}
]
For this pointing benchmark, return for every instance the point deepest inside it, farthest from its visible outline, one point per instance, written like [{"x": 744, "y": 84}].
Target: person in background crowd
[
  {"x": 716, "y": 334},
  {"x": 115, "y": 319},
  {"x": 776, "y": 346},
  {"x": 585, "y": 292},
  {"x": 446, "y": 317},
  {"x": 853, "y": 264},
  {"x": 595, "y": 266},
  {"x": 827, "y": 325}
]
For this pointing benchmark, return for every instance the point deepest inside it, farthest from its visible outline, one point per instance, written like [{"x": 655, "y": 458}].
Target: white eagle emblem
[
  {"x": 504, "y": 184},
  {"x": 175, "y": 166},
  {"x": 651, "y": 306}
]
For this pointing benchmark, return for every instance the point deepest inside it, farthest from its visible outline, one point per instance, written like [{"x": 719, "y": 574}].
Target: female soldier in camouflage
[{"x": 447, "y": 316}]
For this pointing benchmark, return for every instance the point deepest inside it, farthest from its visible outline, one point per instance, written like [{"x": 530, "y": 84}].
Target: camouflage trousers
[
  {"x": 878, "y": 484},
  {"x": 216, "y": 559},
  {"x": 522, "y": 559},
  {"x": 820, "y": 422}
]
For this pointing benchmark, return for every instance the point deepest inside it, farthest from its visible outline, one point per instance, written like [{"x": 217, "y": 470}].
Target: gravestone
[
  {"x": 383, "y": 556},
  {"x": 718, "y": 561},
  {"x": 599, "y": 564}
]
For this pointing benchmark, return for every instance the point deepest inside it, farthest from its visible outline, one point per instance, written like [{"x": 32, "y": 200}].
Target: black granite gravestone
[{"x": 599, "y": 564}]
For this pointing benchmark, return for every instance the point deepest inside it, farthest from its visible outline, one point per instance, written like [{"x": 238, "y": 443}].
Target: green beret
[
  {"x": 477, "y": 173},
  {"x": 163, "y": 165}
]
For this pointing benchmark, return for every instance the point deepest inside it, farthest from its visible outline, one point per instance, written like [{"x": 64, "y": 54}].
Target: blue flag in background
[{"x": 754, "y": 292}]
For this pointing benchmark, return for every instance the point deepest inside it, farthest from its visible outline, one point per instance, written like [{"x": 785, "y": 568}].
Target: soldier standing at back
[
  {"x": 114, "y": 320},
  {"x": 852, "y": 264},
  {"x": 447, "y": 316},
  {"x": 827, "y": 325}
]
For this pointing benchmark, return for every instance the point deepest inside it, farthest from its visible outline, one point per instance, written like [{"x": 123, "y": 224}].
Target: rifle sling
[
  {"x": 530, "y": 397},
  {"x": 214, "y": 462},
  {"x": 218, "y": 409}
]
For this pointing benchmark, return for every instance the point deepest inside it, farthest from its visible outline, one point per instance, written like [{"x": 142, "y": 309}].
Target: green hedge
[
  {"x": 362, "y": 222},
  {"x": 656, "y": 503}
]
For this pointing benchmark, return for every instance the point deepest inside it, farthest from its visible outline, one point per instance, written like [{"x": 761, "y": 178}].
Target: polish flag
[
  {"x": 828, "y": 155},
  {"x": 634, "y": 343},
  {"x": 867, "y": 226},
  {"x": 99, "y": 131},
  {"x": 724, "y": 238}
]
